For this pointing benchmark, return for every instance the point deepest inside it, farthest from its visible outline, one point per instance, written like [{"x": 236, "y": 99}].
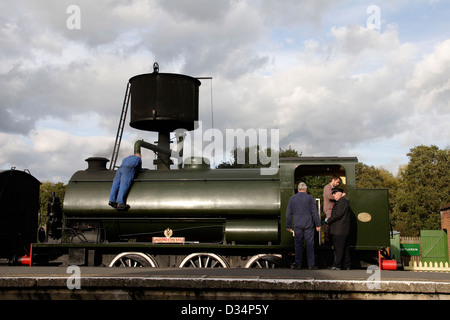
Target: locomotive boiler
[
  {"x": 194, "y": 215},
  {"x": 199, "y": 204}
]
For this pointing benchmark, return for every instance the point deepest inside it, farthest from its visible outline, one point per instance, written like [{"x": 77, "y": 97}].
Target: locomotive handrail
[
  {"x": 150, "y": 218},
  {"x": 185, "y": 179},
  {"x": 207, "y": 179}
]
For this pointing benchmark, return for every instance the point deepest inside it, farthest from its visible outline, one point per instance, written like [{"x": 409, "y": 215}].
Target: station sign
[{"x": 410, "y": 249}]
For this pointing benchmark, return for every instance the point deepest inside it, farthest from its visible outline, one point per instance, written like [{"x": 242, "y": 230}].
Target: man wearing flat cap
[{"x": 340, "y": 230}]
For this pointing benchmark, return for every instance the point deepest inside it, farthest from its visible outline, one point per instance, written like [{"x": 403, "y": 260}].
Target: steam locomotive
[{"x": 191, "y": 216}]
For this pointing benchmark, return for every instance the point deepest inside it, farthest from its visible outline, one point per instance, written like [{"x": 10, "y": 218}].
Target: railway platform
[{"x": 102, "y": 283}]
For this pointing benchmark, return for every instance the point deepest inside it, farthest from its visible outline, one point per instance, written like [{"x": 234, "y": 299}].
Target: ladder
[{"x": 123, "y": 116}]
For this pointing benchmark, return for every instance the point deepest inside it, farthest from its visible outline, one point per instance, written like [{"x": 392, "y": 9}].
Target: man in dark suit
[
  {"x": 302, "y": 218},
  {"x": 340, "y": 230}
]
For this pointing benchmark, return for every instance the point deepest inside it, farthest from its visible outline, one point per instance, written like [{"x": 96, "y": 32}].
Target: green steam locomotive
[{"x": 193, "y": 215}]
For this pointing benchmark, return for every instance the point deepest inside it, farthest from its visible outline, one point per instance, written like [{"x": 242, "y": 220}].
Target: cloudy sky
[{"x": 337, "y": 78}]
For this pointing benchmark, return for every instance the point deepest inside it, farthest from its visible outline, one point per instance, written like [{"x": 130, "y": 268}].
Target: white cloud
[
  {"x": 430, "y": 82},
  {"x": 310, "y": 68}
]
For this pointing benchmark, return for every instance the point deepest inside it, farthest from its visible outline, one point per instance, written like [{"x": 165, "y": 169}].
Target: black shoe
[
  {"x": 313, "y": 268},
  {"x": 121, "y": 206},
  {"x": 112, "y": 204}
]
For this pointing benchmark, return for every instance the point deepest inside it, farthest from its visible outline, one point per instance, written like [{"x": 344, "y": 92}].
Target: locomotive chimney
[{"x": 96, "y": 163}]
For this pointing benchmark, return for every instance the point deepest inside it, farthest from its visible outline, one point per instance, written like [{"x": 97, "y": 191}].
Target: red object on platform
[
  {"x": 26, "y": 259},
  {"x": 388, "y": 264}
]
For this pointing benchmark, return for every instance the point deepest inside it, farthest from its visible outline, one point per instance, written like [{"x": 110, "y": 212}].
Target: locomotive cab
[{"x": 370, "y": 207}]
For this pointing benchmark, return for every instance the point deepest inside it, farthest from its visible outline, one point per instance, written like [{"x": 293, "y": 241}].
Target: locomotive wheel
[
  {"x": 133, "y": 260},
  {"x": 204, "y": 260},
  {"x": 265, "y": 261}
]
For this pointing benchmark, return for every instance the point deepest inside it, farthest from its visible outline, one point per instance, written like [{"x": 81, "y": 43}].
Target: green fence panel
[{"x": 434, "y": 246}]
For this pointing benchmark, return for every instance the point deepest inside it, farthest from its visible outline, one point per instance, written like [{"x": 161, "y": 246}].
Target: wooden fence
[
  {"x": 415, "y": 263},
  {"x": 410, "y": 259},
  {"x": 433, "y": 267}
]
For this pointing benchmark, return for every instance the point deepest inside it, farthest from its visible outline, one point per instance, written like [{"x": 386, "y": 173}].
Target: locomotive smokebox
[{"x": 163, "y": 102}]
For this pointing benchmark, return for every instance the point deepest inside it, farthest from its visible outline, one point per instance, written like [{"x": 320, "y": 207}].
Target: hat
[{"x": 334, "y": 190}]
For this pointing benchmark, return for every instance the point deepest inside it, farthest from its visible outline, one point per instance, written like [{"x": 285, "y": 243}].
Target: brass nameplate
[{"x": 168, "y": 240}]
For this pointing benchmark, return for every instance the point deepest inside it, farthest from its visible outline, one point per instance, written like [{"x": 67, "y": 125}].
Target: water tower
[{"x": 160, "y": 102}]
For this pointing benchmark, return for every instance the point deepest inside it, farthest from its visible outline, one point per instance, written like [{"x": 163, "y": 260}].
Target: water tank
[
  {"x": 164, "y": 102},
  {"x": 211, "y": 206}
]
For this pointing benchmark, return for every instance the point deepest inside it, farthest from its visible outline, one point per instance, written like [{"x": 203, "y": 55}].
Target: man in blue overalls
[{"x": 123, "y": 180}]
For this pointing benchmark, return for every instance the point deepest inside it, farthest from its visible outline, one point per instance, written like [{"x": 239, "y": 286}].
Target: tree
[
  {"x": 289, "y": 153},
  {"x": 371, "y": 177},
  {"x": 244, "y": 158},
  {"x": 424, "y": 185},
  {"x": 249, "y": 162},
  {"x": 46, "y": 190}
]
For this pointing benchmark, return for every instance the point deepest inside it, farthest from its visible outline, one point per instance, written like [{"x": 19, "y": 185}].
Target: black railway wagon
[{"x": 19, "y": 209}]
